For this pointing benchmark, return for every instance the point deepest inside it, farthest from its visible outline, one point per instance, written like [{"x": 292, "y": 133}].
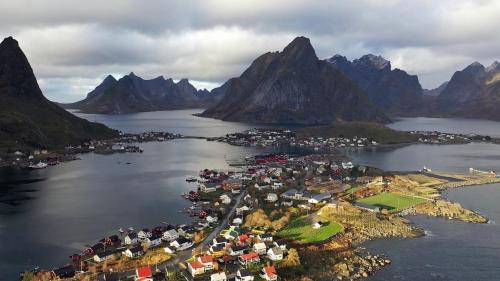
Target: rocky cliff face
[
  {"x": 27, "y": 118},
  {"x": 134, "y": 94},
  {"x": 292, "y": 87},
  {"x": 473, "y": 92},
  {"x": 392, "y": 90}
]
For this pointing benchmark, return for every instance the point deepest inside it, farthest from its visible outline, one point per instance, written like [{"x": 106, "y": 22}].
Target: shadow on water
[{"x": 16, "y": 187}]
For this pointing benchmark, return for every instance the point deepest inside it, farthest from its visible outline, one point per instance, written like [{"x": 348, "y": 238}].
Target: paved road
[{"x": 184, "y": 255}]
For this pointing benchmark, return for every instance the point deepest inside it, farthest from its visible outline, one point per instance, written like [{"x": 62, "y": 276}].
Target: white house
[
  {"x": 207, "y": 261},
  {"x": 104, "y": 255},
  {"x": 321, "y": 197},
  {"x": 207, "y": 187},
  {"x": 265, "y": 237},
  {"x": 277, "y": 185},
  {"x": 153, "y": 241},
  {"x": 220, "y": 276},
  {"x": 259, "y": 248},
  {"x": 181, "y": 244},
  {"x": 170, "y": 235},
  {"x": 269, "y": 273},
  {"x": 281, "y": 246},
  {"x": 196, "y": 268},
  {"x": 272, "y": 197},
  {"x": 212, "y": 219},
  {"x": 144, "y": 233},
  {"x": 261, "y": 186},
  {"x": 169, "y": 250},
  {"x": 131, "y": 239},
  {"x": 237, "y": 221},
  {"x": 136, "y": 251},
  {"x": 225, "y": 199},
  {"x": 275, "y": 254}
]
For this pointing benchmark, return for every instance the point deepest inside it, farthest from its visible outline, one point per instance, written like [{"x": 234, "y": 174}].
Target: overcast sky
[{"x": 73, "y": 45}]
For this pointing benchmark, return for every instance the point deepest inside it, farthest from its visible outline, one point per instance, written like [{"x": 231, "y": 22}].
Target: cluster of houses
[
  {"x": 302, "y": 181},
  {"x": 278, "y": 137},
  {"x": 434, "y": 137},
  {"x": 148, "y": 137},
  {"x": 103, "y": 146},
  {"x": 239, "y": 256},
  {"x": 282, "y": 181}
]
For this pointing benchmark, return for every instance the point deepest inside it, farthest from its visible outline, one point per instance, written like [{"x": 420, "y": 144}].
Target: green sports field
[
  {"x": 392, "y": 201},
  {"x": 301, "y": 230}
]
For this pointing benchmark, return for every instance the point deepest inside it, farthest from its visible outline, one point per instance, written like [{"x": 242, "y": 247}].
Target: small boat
[
  {"x": 39, "y": 165},
  {"x": 191, "y": 179}
]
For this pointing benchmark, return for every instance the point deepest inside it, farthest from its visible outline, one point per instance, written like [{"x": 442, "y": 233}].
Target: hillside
[
  {"x": 27, "y": 118},
  {"x": 369, "y": 130},
  {"x": 292, "y": 87}
]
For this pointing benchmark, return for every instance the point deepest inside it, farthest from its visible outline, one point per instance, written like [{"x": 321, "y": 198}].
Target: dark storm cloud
[{"x": 72, "y": 44}]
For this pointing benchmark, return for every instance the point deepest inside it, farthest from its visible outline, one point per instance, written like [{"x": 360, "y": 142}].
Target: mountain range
[
  {"x": 132, "y": 93},
  {"x": 392, "y": 90},
  {"x": 288, "y": 87},
  {"x": 27, "y": 118},
  {"x": 293, "y": 87}
]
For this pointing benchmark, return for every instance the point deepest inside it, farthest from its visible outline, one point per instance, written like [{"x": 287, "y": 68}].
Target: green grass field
[
  {"x": 301, "y": 230},
  {"x": 392, "y": 201}
]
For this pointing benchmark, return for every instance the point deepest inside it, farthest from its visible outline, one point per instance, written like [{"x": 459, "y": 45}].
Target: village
[
  {"x": 42, "y": 158},
  {"x": 286, "y": 137},
  {"x": 279, "y": 137},
  {"x": 272, "y": 220}
]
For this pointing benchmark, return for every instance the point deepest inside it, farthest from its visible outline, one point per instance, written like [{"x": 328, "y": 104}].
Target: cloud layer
[{"x": 72, "y": 45}]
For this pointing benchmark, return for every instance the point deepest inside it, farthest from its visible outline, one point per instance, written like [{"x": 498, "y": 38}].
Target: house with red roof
[
  {"x": 269, "y": 273},
  {"x": 243, "y": 239},
  {"x": 249, "y": 258},
  {"x": 196, "y": 268},
  {"x": 207, "y": 261},
  {"x": 144, "y": 274}
]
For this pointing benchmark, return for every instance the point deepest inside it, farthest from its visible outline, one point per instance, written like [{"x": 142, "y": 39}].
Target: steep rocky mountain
[
  {"x": 133, "y": 94},
  {"x": 473, "y": 92},
  {"x": 436, "y": 91},
  {"x": 292, "y": 87},
  {"x": 27, "y": 118},
  {"x": 392, "y": 90}
]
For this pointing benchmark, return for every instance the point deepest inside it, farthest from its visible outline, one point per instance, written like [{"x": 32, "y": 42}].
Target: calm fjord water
[{"x": 49, "y": 214}]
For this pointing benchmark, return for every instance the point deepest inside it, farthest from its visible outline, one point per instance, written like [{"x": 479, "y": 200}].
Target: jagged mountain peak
[
  {"x": 300, "y": 50},
  {"x": 338, "y": 59},
  {"x": 16, "y": 70},
  {"x": 495, "y": 66},
  {"x": 474, "y": 66},
  {"x": 183, "y": 81},
  {"x": 109, "y": 78},
  {"x": 372, "y": 60},
  {"x": 292, "y": 87},
  {"x": 9, "y": 42},
  {"x": 28, "y": 118}
]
